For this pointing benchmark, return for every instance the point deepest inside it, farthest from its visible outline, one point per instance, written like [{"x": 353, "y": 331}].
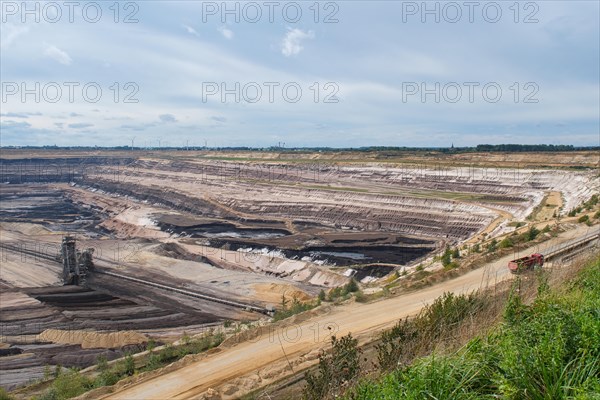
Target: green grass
[{"x": 547, "y": 350}]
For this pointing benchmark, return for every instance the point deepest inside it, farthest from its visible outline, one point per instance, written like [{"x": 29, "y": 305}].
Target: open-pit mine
[{"x": 106, "y": 251}]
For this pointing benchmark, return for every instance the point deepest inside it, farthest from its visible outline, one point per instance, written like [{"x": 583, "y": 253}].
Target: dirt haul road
[{"x": 298, "y": 345}]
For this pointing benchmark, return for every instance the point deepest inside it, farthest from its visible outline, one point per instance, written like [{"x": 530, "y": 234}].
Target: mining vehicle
[{"x": 534, "y": 260}]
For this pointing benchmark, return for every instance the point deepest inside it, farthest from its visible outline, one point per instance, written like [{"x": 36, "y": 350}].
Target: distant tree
[
  {"x": 456, "y": 253},
  {"x": 322, "y": 295},
  {"x": 532, "y": 233},
  {"x": 492, "y": 246},
  {"x": 446, "y": 259},
  {"x": 352, "y": 286},
  {"x": 546, "y": 229},
  {"x": 506, "y": 242}
]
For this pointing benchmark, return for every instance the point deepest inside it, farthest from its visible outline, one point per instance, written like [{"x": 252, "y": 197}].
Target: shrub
[
  {"x": 70, "y": 384},
  {"x": 322, "y": 295},
  {"x": 393, "y": 344},
  {"x": 296, "y": 307},
  {"x": 456, "y": 253},
  {"x": 343, "y": 291},
  {"x": 352, "y": 286},
  {"x": 4, "y": 395},
  {"x": 531, "y": 234},
  {"x": 434, "y": 321},
  {"x": 150, "y": 345},
  {"x": 546, "y": 229},
  {"x": 492, "y": 246},
  {"x": 336, "y": 370},
  {"x": 583, "y": 218},
  {"x": 446, "y": 260},
  {"x": 505, "y": 243}
]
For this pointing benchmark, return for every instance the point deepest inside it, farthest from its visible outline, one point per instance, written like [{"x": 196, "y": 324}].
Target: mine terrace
[{"x": 183, "y": 241}]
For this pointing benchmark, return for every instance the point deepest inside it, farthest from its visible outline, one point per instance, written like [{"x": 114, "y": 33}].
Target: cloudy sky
[{"x": 340, "y": 74}]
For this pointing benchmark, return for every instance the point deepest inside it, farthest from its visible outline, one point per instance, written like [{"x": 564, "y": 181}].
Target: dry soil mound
[{"x": 91, "y": 340}]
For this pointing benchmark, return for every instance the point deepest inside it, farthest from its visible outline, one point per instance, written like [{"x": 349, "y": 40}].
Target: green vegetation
[
  {"x": 506, "y": 243},
  {"x": 585, "y": 206},
  {"x": 322, "y": 295},
  {"x": 411, "y": 336},
  {"x": 4, "y": 395},
  {"x": 339, "y": 293},
  {"x": 531, "y": 234},
  {"x": 492, "y": 246},
  {"x": 343, "y": 291},
  {"x": 70, "y": 383},
  {"x": 546, "y": 350},
  {"x": 337, "y": 369},
  {"x": 546, "y": 229},
  {"x": 449, "y": 257},
  {"x": 296, "y": 307}
]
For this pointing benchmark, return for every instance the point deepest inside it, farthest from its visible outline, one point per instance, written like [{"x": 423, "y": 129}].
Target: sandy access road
[{"x": 362, "y": 320}]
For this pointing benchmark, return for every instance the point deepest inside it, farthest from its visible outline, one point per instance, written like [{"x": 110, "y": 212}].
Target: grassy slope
[{"x": 548, "y": 350}]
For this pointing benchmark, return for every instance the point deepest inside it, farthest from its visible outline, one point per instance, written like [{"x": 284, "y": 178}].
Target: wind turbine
[{"x": 132, "y": 140}]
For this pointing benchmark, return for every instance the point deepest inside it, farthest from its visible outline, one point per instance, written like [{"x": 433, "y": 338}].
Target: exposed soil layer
[
  {"x": 49, "y": 207},
  {"x": 341, "y": 248}
]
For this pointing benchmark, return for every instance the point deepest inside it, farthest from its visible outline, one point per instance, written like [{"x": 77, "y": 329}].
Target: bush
[
  {"x": 446, "y": 260},
  {"x": 296, "y": 307},
  {"x": 343, "y": 291},
  {"x": 351, "y": 286},
  {"x": 70, "y": 384},
  {"x": 434, "y": 321},
  {"x": 531, "y": 234},
  {"x": 492, "y": 246},
  {"x": 506, "y": 243},
  {"x": 336, "y": 370},
  {"x": 456, "y": 253},
  {"x": 583, "y": 218},
  {"x": 322, "y": 295},
  {"x": 4, "y": 395}
]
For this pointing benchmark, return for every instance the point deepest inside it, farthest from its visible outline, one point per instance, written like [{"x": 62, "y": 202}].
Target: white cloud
[
  {"x": 10, "y": 32},
  {"x": 190, "y": 30},
  {"x": 292, "y": 42},
  {"x": 58, "y": 55},
  {"x": 227, "y": 33}
]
